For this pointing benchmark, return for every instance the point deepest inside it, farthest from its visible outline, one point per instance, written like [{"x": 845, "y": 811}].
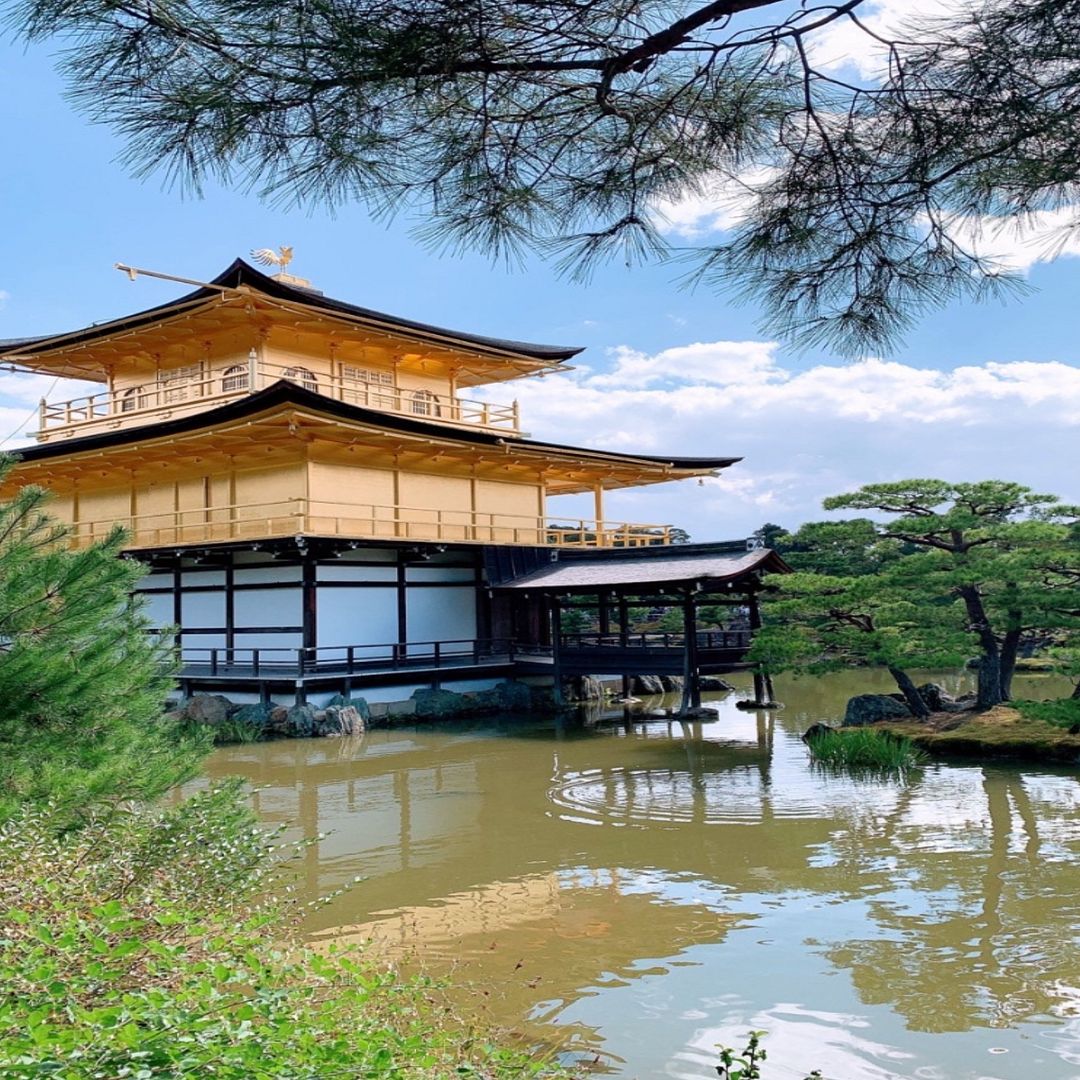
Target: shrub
[
  {"x": 134, "y": 947},
  {"x": 81, "y": 680},
  {"x": 865, "y": 748}
]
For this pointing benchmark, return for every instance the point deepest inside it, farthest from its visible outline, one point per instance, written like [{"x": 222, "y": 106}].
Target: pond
[{"x": 637, "y": 894}]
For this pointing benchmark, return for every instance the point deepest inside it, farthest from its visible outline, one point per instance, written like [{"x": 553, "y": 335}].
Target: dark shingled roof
[
  {"x": 241, "y": 273},
  {"x": 662, "y": 567},
  {"x": 284, "y": 392}
]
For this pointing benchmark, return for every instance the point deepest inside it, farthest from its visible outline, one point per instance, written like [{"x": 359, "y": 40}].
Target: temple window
[
  {"x": 425, "y": 403},
  {"x": 234, "y": 378},
  {"x": 301, "y": 376}
]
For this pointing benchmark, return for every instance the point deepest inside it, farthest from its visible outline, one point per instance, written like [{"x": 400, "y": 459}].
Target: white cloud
[
  {"x": 5, "y": 296},
  {"x": 1019, "y": 243},
  {"x": 846, "y": 44},
  {"x": 719, "y": 205},
  {"x": 20, "y": 393},
  {"x": 810, "y": 432}
]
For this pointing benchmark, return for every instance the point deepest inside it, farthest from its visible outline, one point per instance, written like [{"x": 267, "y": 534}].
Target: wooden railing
[
  {"x": 706, "y": 639},
  {"x": 341, "y": 659},
  {"x": 304, "y": 517},
  {"x": 179, "y": 397}
]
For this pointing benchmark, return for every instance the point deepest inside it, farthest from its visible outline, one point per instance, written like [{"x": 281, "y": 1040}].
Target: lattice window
[
  {"x": 234, "y": 378},
  {"x": 177, "y": 384},
  {"x": 302, "y": 376},
  {"x": 425, "y": 403},
  {"x": 367, "y": 375}
]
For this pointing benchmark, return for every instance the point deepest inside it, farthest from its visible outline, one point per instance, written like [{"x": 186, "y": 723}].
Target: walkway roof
[{"x": 662, "y": 567}]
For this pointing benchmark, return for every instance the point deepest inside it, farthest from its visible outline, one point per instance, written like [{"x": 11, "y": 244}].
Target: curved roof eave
[
  {"x": 288, "y": 393},
  {"x": 240, "y": 273}
]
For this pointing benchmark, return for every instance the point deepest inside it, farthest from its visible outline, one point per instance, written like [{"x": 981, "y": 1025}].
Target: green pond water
[{"x": 634, "y": 896}]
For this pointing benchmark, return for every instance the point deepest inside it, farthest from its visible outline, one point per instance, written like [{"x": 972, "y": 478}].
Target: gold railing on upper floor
[
  {"x": 167, "y": 398},
  {"x": 306, "y": 517}
]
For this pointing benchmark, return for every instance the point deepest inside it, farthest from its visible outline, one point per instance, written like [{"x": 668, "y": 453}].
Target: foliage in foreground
[
  {"x": 747, "y": 1065},
  {"x": 1064, "y": 713},
  {"x": 508, "y": 126},
  {"x": 865, "y": 748},
  {"x": 133, "y": 948},
  {"x": 81, "y": 680}
]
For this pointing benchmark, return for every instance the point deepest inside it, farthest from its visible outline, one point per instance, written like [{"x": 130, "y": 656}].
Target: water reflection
[{"x": 648, "y": 890}]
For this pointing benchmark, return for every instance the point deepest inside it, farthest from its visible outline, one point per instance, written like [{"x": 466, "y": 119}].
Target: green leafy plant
[
  {"x": 747, "y": 1065},
  {"x": 82, "y": 679},
  {"x": 865, "y": 748}
]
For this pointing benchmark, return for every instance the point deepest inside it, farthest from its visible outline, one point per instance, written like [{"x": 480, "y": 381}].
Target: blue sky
[{"x": 975, "y": 391}]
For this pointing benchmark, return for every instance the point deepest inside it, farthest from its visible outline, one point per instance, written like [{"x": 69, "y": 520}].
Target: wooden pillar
[
  {"x": 309, "y": 592},
  {"x": 230, "y": 607},
  {"x": 691, "y": 695},
  {"x": 604, "y": 600},
  {"x": 763, "y": 688},
  {"x": 402, "y": 605},
  {"x": 556, "y": 648},
  {"x": 598, "y": 513}
]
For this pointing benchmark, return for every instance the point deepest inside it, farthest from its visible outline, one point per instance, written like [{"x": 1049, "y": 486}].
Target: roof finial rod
[{"x": 135, "y": 271}]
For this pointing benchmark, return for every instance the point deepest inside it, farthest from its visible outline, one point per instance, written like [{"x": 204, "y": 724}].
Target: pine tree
[
  {"x": 954, "y": 571},
  {"x": 82, "y": 679}
]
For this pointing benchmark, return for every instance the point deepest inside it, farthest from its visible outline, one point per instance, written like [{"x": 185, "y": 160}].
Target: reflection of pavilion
[{"x": 594, "y": 859}]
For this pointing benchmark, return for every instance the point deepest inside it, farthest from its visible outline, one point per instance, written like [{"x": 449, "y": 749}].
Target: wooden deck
[{"x": 352, "y": 667}]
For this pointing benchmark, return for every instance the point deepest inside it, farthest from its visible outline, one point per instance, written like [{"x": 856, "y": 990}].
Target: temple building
[{"x": 320, "y": 505}]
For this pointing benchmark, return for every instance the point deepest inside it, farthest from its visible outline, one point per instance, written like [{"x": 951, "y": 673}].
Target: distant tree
[
  {"x": 514, "y": 125},
  {"x": 771, "y": 535},
  {"x": 953, "y": 569},
  {"x": 840, "y": 548},
  {"x": 82, "y": 681}
]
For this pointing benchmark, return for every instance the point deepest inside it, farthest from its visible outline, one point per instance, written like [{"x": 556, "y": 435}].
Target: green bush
[
  {"x": 865, "y": 748},
  {"x": 1064, "y": 713},
  {"x": 135, "y": 947},
  {"x": 82, "y": 681}
]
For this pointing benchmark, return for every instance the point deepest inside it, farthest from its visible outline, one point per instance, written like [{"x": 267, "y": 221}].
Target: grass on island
[
  {"x": 1022, "y": 730},
  {"x": 1064, "y": 713},
  {"x": 865, "y": 748}
]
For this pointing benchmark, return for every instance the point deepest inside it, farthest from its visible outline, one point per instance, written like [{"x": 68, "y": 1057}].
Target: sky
[{"x": 974, "y": 392}]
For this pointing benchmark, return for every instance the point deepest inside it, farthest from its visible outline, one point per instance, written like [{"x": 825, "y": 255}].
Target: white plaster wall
[
  {"x": 268, "y": 607},
  {"x": 262, "y": 575},
  {"x": 339, "y": 572},
  {"x": 357, "y": 617},
  {"x": 269, "y": 641},
  {"x": 159, "y": 609},
  {"x": 439, "y": 573},
  {"x": 202, "y": 609},
  {"x": 440, "y": 614}
]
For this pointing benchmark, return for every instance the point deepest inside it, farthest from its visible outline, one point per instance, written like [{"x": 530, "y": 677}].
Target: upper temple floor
[{"x": 244, "y": 331}]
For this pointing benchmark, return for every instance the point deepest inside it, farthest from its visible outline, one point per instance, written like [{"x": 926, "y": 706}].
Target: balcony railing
[
  {"x": 308, "y": 517},
  {"x": 170, "y": 398}
]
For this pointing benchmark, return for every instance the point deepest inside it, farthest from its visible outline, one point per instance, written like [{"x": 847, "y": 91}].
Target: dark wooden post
[
  {"x": 763, "y": 688},
  {"x": 556, "y": 649},
  {"x": 691, "y": 695},
  {"x": 604, "y": 600}
]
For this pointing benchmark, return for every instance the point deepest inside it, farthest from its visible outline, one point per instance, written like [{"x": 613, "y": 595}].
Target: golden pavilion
[{"x": 314, "y": 493}]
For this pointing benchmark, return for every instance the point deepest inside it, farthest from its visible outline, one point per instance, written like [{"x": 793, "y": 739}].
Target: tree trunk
[
  {"x": 1076, "y": 692},
  {"x": 1009, "y": 649},
  {"x": 911, "y": 694},
  {"x": 988, "y": 685}
]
